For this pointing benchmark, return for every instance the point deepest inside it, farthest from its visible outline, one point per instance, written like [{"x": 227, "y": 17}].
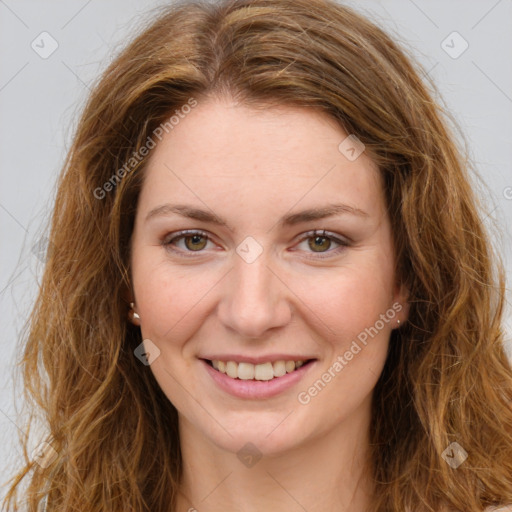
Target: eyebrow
[{"x": 292, "y": 219}]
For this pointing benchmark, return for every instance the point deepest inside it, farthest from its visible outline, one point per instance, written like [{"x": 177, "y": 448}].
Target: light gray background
[{"x": 40, "y": 99}]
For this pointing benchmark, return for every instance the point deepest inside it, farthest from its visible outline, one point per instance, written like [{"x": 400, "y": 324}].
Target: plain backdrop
[{"x": 52, "y": 50}]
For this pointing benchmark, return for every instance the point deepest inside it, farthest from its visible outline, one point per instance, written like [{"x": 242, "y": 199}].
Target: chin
[{"x": 268, "y": 433}]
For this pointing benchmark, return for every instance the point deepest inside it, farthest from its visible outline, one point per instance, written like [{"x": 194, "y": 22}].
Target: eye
[
  {"x": 319, "y": 240},
  {"x": 194, "y": 241}
]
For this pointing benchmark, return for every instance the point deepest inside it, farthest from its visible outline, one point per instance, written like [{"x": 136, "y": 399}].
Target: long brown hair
[{"x": 113, "y": 441}]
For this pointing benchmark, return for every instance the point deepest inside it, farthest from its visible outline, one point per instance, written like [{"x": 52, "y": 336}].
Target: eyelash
[{"x": 167, "y": 242}]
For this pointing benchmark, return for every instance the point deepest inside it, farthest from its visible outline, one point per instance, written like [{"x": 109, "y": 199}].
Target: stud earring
[
  {"x": 398, "y": 323},
  {"x": 134, "y": 314}
]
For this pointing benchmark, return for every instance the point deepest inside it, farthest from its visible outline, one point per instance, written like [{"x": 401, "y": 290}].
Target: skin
[{"x": 252, "y": 167}]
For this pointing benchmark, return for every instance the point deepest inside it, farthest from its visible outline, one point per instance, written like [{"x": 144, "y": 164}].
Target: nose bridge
[{"x": 255, "y": 299}]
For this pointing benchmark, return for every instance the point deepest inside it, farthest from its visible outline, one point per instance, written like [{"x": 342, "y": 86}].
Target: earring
[
  {"x": 133, "y": 313},
  {"x": 398, "y": 323}
]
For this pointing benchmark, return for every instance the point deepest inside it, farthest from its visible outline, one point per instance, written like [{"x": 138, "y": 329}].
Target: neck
[{"x": 325, "y": 473}]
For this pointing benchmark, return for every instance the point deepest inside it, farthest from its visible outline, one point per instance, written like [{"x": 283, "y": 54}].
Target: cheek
[
  {"x": 170, "y": 300},
  {"x": 347, "y": 300},
  {"x": 356, "y": 346},
  {"x": 356, "y": 322}
]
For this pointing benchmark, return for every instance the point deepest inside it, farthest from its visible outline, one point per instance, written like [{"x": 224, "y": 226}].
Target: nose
[{"x": 254, "y": 298}]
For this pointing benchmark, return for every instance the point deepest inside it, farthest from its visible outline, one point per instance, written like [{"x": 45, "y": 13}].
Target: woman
[{"x": 204, "y": 345}]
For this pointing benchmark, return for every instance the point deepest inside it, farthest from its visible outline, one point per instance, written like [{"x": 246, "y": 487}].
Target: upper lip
[{"x": 271, "y": 358}]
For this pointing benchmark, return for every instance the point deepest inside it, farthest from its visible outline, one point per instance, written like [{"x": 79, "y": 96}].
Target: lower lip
[{"x": 257, "y": 389}]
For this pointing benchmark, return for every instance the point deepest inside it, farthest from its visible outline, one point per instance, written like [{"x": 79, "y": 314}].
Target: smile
[
  {"x": 262, "y": 372},
  {"x": 257, "y": 378}
]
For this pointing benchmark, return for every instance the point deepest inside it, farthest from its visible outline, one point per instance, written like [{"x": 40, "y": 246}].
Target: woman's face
[{"x": 252, "y": 286}]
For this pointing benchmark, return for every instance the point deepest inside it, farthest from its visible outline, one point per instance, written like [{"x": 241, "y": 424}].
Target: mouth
[{"x": 266, "y": 371}]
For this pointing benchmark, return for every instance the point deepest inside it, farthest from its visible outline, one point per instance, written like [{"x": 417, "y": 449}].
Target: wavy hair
[{"x": 113, "y": 442}]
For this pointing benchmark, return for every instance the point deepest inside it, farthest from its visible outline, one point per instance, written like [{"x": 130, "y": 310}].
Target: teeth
[
  {"x": 279, "y": 368},
  {"x": 246, "y": 371},
  {"x": 264, "y": 371},
  {"x": 232, "y": 369},
  {"x": 289, "y": 366}
]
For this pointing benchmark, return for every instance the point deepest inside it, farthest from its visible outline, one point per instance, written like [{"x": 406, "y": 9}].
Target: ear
[
  {"x": 129, "y": 299},
  {"x": 401, "y": 302},
  {"x": 133, "y": 316}
]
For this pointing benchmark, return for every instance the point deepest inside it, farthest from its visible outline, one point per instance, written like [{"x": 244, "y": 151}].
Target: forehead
[{"x": 236, "y": 155}]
